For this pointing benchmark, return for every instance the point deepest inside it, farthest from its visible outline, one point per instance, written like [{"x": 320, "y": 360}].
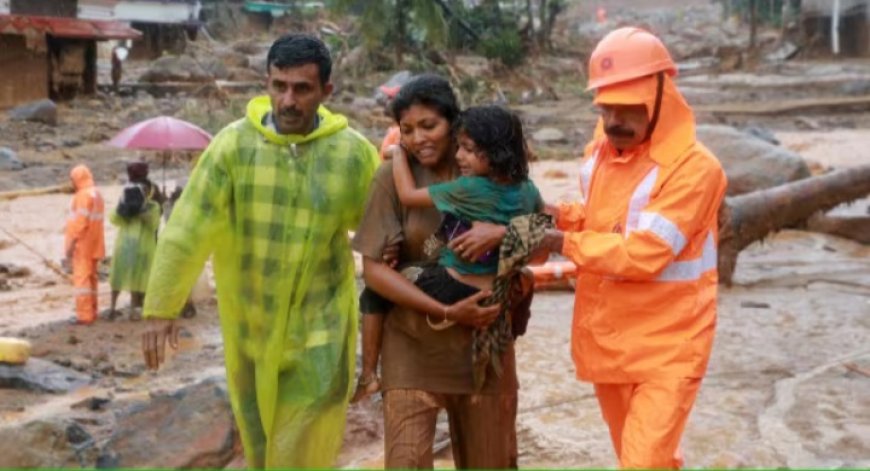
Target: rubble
[
  {"x": 9, "y": 160},
  {"x": 751, "y": 163},
  {"x": 42, "y": 111},
  {"x": 41, "y": 376},
  {"x": 51, "y": 443},
  {"x": 191, "y": 428},
  {"x": 176, "y": 69},
  {"x": 545, "y": 135}
]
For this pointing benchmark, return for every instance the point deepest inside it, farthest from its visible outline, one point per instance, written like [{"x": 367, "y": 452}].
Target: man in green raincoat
[{"x": 272, "y": 199}]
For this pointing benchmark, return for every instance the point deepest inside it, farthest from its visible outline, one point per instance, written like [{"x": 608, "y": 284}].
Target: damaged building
[
  {"x": 849, "y": 18},
  {"x": 46, "y": 52}
]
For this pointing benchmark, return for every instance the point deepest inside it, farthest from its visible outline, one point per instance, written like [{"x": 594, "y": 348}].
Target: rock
[
  {"x": 363, "y": 103},
  {"x": 761, "y": 133},
  {"x": 71, "y": 142},
  {"x": 806, "y": 123},
  {"x": 94, "y": 403},
  {"x": 9, "y": 160},
  {"x": 215, "y": 68},
  {"x": 244, "y": 75},
  {"x": 192, "y": 427},
  {"x": 53, "y": 443},
  {"x": 14, "y": 271},
  {"x": 41, "y": 376},
  {"x": 43, "y": 111},
  {"x": 175, "y": 69},
  {"x": 751, "y": 163},
  {"x": 548, "y": 135},
  {"x": 258, "y": 63},
  {"x": 233, "y": 59}
]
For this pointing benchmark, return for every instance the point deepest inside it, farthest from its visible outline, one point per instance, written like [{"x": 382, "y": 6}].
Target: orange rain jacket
[
  {"x": 85, "y": 221},
  {"x": 644, "y": 241}
]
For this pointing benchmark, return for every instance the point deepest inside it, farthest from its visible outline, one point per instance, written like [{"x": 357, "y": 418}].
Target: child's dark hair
[
  {"x": 296, "y": 49},
  {"x": 429, "y": 90},
  {"x": 498, "y": 133}
]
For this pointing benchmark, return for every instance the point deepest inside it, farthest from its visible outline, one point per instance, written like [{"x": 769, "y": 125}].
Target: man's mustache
[
  {"x": 289, "y": 113},
  {"x": 619, "y": 131}
]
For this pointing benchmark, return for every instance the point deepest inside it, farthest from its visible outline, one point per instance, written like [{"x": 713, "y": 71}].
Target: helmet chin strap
[{"x": 660, "y": 84}]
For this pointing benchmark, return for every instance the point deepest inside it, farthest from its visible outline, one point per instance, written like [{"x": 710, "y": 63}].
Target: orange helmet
[{"x": 627, "y": 54}]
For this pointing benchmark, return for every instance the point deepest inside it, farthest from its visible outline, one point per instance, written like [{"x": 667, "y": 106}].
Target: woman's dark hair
[
  {"x": 429, "y": 90},
  {"x": 498, "y": 133},
  {"x": 295, "y": 49}
]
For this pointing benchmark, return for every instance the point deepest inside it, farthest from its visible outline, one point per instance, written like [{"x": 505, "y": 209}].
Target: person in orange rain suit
[
  {"x": 84, "y": 242},
  {"x": 644, "y": 240},
  {"x": 393, "y": 133}
]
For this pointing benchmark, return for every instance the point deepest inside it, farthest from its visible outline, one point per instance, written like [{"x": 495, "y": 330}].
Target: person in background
[
  {"x": 137, "y": 218},
  {"x": 84, "y": 242}
]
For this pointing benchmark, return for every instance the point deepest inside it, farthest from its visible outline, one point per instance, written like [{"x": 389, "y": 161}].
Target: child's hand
[
  {"x": 397, "y": 152},
  {"x": 480, "y": 239}
]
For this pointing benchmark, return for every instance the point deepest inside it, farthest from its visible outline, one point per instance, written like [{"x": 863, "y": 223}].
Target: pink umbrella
[
  {"x": 162, "y": 133},
  {"x": 165, "y": 134}
]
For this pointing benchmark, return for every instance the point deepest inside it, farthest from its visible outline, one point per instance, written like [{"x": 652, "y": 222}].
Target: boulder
[
  {"x": 43, "y": 111},
  {"x": 190, "y": 428},
  {"x": 52, "y": 443},
  {"x": 548, "y": 135},
  {"x": 175, "y": 69},
  {"x": 41, "y": 376},
  {"x": 751, "y": 163},
  {"x": 215, "y": 68},
  {"x": 9, "y": 160}
]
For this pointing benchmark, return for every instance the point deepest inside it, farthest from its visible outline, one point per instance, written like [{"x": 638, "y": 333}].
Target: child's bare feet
[{"x": 366, "y": 385}]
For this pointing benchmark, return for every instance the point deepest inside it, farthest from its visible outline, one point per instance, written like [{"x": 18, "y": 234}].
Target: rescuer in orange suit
[
  {"x": 644, "y": 240},
  {"x": 84, "y": 242}
]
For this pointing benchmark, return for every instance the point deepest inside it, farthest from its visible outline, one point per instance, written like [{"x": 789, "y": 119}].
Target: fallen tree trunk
[
  {"x": 11, "y": 195},
  {"x": 750, "y": 217},
  {"x": 855, "y": 228}
]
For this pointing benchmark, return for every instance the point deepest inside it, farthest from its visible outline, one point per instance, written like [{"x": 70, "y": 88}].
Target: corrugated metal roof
[{"x": 67, "y": 27}]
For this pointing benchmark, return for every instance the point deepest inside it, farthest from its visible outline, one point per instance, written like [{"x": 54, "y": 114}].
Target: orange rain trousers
[
  {"x": 646, "y": 420},
  {"x": 85, "y": 287}
]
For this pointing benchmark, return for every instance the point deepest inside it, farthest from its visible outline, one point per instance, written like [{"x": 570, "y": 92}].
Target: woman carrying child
[{"x": 426, "y": 369}]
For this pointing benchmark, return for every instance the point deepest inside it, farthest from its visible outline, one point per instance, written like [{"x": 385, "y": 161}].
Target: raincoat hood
[
  {"x": 675, "y": 130},
  {"x": 81, "y": 177},
  {"x": 260, "y": 106}
]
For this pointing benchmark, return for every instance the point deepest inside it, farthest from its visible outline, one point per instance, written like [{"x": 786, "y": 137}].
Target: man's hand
[
  {"x": 551, "y": 243},
  {"x": 480, "y": 239},
  {"x": 157, "y": 333},
  {"x": 390, "y": 255},
  {"x": 468, "y": 312}
]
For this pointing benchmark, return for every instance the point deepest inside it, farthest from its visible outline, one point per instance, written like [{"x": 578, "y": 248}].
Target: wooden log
[
  {"x": 750, "y": 217},
  {"x": 806, "y": 105},
  {"x": 11, "y": 195}
]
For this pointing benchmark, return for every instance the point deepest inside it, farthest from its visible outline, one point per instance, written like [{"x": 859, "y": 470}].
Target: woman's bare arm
[{"x": 398, "y": 289}]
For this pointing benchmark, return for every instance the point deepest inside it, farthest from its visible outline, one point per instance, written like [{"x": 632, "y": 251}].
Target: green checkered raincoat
[{"x": 275, "y": 211}]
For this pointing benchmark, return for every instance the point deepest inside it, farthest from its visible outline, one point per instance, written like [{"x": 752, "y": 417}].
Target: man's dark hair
[
  {"x": 428, "y": 90},
  {"x": 294, "y": 50},
  {"x": 498, "y": 133}
]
